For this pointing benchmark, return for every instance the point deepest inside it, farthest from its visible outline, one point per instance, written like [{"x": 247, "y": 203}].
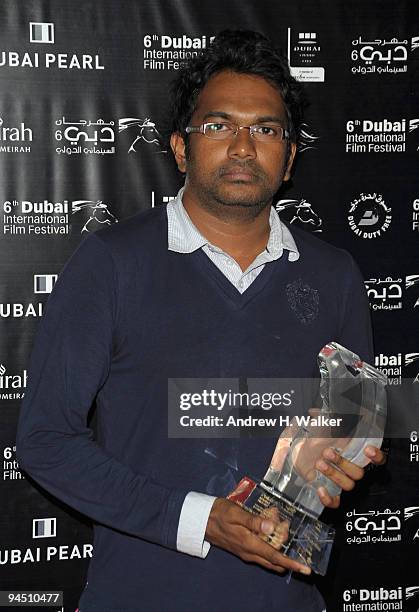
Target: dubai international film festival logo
[
  {"x": 382, "y": 526},
  {"x": 300, "y": 212},
  {"x": 384, "y": 293},
  {"x": 369, "y": 216},
  {"x": 98, "y": 214},
  {"x": 379, "y": 598},
  {"x": 44, "y": 218},
  {"x": 380, "y": 56},
  {"x": 142, "y": 131},
  {"x": 304, "y": 55},
  {"x": 98, "y": 137},
  {"x": 397, "y": 366},
  {"x": 163, "y": 52},
  {"x": 393, "y": 293},
  {"x": 380, "y": 135},
  {"x": 84, "y": 137}
]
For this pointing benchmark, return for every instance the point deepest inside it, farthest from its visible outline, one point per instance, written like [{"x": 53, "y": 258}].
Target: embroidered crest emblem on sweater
[{"x": 303, "y": 300}]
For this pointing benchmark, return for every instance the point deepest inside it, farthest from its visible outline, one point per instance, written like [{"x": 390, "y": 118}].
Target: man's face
[{"x": 239, "y": 171}]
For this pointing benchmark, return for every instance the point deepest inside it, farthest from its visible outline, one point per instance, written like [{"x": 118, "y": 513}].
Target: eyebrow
[{"x": 263, "y": 119}]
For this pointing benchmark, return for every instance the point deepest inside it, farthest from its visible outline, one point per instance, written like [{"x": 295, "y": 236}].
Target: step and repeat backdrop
[{"x": 83, "y": 96}]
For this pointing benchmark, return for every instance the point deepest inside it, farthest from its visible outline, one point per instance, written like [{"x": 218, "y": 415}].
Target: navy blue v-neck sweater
[{"x": 127, "y": 314}]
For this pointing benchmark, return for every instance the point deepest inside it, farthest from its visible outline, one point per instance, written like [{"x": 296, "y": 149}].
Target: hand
[
  {"x": 345, "y": 474},
  {"x": 240, "y": 532}
]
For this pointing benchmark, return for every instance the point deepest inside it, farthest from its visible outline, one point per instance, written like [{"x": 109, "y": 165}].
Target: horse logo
[
  {"x": 303, "y": 213},
  {"x": 144, "y": 130},
  {"x": 99, "y": 214},
  {"x": 307, "y": 140}
]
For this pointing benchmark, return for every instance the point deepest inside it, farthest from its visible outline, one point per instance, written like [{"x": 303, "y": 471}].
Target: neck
[{"x": 236, "y": 230}]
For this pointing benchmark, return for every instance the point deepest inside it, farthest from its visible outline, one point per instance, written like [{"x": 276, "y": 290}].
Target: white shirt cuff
[{"x": 193, "y": 523}]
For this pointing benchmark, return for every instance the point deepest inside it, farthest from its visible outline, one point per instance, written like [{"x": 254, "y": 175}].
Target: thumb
[
  {"x": 259, "y": 524},
  {"x": 267, "y": 526}
]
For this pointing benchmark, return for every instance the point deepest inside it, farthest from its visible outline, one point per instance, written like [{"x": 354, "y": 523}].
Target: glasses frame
[{"x": 200, "y": 129}]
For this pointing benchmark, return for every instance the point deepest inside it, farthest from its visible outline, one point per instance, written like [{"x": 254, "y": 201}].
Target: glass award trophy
[{"x": 352, "y": 415}]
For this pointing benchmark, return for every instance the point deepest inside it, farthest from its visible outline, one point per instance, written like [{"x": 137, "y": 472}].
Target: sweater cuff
[{"x": 193, "y": 523}]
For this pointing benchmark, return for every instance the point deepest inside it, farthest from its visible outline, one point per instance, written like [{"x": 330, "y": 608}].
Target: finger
[
  {"x": 342, "y": 480},
  {"x": 266, "y": 523},
  {"x": 271, "y": 513},
  {"x": 264, "y": 563},
  {"x": 257, "y": 524},
  {"x": 257, "y": 548},
  {"x": 375, "y": 454},
  {"x": 314, "y": 412},
  {"x": 328, "y": 500},
  {"x": 355, "y": 472}
]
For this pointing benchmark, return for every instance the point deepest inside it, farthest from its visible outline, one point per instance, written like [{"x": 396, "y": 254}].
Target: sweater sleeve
[
  {"x": 70, "y": 362},
  {"x": 355, "y": 321}
]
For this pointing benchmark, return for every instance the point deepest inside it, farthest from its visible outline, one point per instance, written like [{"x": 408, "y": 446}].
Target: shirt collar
[{"x": 184, "y": 236}]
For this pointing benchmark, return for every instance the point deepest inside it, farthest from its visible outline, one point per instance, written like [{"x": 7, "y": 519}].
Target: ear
[
  {"x": 177, "y": 145},
  {"x": 290, "y": 161}
]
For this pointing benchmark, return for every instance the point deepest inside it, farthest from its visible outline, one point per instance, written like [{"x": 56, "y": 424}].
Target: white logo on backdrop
[
  {"x": 412, "y": 280},
  {"x": 43, "y": 283},
  {"x": 411, "y": 591},
  {"x": 410, "y": 512},
  {"x": 307, "y": 139},
  {"x": 414, "y": 43},
  {"x": 142, "y": 130},
  {"x": 164, "y": 199},
  {"x": 12, "y": 385},
  {"x": 369, "y": 216},
  {"x": 384, "y": 294},
  {"x": 85, "y": 137},
  {"x": 13, "y": 137},
  {"x": 99, "y": 214},
  {"x": 302, "y": 56},
  {"x": 44, "y": 528},
  {"x": 380, "y": 56},
  {"x": 303, "y": 213},
  {"x": 41, "y": 32}
]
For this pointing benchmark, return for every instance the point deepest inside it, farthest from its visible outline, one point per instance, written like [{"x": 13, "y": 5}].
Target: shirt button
[
  {"x": 240, "y": 284},
  {"x": 229, "y": 262}
]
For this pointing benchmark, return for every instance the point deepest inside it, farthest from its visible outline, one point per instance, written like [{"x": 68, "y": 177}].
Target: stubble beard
[{"x": 221, "y": 201}]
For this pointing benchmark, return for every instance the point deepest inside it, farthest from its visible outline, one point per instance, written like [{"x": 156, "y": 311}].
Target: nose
[{"x": 242, "y": 146}]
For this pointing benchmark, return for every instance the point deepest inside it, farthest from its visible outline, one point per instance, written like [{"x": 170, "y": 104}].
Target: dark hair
[{"x": 241, "y": 51}]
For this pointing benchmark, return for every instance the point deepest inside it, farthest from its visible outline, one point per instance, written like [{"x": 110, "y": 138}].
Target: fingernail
[
  {"x": 322, "y": 465},
  {"x": 370, "y": 452},
  {"x": 322, "y": 491},
  {"x": 267, "y": 527},
  {"x": 330, "y": 454},
  {"x": 305, "y": 570}
]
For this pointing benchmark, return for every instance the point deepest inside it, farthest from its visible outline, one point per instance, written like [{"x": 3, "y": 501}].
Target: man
[{"x": 215, "y": 286}]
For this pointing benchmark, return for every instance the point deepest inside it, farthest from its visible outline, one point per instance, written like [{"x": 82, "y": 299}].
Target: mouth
[{"x": 238, "y": 175}]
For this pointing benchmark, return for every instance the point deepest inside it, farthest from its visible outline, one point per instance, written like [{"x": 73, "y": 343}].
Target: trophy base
[{"x": 310, "y": 541}]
